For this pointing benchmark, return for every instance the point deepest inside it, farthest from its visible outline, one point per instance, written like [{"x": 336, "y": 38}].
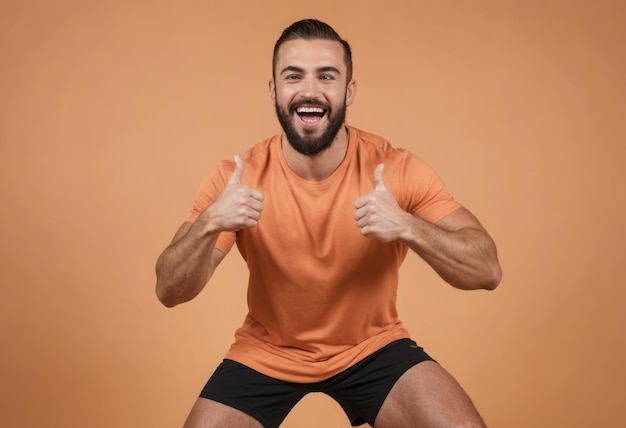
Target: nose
[{"x": 310, "y": 87}]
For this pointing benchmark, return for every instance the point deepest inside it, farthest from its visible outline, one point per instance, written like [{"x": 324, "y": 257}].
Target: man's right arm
[{"x": 188, "y": 263}]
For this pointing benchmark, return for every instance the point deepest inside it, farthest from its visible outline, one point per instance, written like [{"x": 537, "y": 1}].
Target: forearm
[
  {"x": 184, "y": 267},
  {"x": 466, "y": 258}
]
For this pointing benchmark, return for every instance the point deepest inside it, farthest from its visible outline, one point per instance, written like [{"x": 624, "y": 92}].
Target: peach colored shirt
[{"x": 321, "y": 296}]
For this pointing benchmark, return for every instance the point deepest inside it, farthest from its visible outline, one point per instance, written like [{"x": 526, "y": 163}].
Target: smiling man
[
  {"x": 318, "y": 97},
  {"x": 324, "y": 215}
]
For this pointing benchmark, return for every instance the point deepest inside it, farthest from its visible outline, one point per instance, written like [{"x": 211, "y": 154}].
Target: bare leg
[
  {"x": 428, "y": 396},
  {"x": 209, "y": 414}
]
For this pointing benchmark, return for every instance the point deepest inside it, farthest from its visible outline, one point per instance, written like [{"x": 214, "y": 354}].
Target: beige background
[{"x": 112, "y": 112}]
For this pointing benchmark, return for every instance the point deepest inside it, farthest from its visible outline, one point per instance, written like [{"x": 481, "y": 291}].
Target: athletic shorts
[{"x": 360, "y": 389}]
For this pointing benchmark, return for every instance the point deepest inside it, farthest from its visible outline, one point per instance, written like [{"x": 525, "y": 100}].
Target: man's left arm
[{"x": 457, "y": 247}]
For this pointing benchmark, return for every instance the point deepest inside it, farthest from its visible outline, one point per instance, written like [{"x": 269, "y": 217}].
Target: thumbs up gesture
[
  {"x": 238, "y": 206},
  {"x": 378, "y": 214}
]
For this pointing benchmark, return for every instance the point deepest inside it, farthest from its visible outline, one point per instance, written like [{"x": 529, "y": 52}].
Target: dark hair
[{"x": 312, "y": 29}]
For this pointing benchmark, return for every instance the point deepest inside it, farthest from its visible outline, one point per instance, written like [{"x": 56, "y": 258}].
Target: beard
[{"x": 308, "y": 144}]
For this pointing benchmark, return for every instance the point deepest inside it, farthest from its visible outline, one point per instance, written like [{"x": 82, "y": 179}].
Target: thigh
[
  {"x": 362, "y": 389},
  {"x": 211, "y": 414},
  {"x": 428, "y": 396},
  {"x": 264, "y": 399}
]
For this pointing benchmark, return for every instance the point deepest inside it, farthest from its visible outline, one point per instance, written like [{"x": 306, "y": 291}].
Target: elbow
[
  {"x": 166, "y": 295},
  {"x": 485, "y": 280},
  {"x": 165, "y": 299},
  {"x": 168, "y": 303},
  {"x": 167, "y": 290},
  {"x": 493, "y": 279},
  {"x": 173, "y": 294}
]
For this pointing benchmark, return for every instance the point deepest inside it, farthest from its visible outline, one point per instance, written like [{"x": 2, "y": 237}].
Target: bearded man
[{"x": 324, "y": 214}]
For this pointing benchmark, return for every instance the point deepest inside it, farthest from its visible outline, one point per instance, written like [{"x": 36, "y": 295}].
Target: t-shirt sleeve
[
  {"x": 211, "y": 188},
  {"x": 424, "y": 191}
]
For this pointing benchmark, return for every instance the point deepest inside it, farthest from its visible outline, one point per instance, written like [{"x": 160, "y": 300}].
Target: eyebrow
[{"x": 301, "y": 70}]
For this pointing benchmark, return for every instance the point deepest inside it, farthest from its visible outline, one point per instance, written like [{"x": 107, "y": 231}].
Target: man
[{"x": 324, "y": 215}]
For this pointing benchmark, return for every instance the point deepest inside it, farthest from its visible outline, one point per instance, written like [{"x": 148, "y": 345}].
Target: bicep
[
  {"x": 216, "y": 258},
  {"x": 461, "y": 218}
]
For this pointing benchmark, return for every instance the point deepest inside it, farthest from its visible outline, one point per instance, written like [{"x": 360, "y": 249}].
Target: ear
[
  {"x": 350, "y": 92},
  {"x": 272, "y": 87}
]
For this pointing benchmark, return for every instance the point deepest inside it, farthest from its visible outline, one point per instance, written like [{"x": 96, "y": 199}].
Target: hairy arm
[
  {"x": 457, "y": 247},
  {"x": 187, "y": 264}
]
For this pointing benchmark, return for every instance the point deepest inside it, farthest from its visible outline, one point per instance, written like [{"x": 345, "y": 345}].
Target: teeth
[{"x": 310, "y": 110}]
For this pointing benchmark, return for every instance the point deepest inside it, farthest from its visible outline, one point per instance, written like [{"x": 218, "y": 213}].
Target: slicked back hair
[{"x": 312, "y": 29}]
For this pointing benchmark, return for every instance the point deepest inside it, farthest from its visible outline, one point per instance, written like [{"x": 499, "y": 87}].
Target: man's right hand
[{"x": 238, "y": 206}]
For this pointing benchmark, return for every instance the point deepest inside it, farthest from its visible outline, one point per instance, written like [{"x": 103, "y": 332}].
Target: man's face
[{"x": 310, "y": 93}]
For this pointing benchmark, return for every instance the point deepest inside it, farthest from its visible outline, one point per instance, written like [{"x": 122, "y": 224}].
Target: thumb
[
  {"x": 237, "y": 172},
  {"x": 379, "y": 183}
]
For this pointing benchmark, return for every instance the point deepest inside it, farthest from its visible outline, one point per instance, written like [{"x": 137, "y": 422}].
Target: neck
[{"x": 320, "y": 166}]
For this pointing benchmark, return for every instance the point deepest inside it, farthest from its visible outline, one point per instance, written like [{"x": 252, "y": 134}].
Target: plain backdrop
[{"x": 113, "y": 112}]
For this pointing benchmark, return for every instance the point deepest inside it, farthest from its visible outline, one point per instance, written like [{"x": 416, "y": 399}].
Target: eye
[
  {"x": 292, "y": 77},
  {"x": 327, "y": 77}
]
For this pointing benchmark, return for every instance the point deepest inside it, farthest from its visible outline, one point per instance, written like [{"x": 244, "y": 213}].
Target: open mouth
[{"x": 310, "y": 114}]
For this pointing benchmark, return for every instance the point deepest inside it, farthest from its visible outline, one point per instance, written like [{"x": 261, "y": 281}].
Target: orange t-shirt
[{"x": 321, "y": 296}]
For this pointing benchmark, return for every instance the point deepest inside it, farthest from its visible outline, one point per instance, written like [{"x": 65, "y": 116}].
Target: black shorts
[{"x": 360, "y": 389}]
